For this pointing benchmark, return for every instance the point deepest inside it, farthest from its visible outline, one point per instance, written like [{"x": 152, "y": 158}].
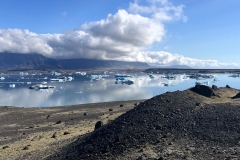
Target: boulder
[
  {"x": 58, "y": 122},
  {"x": 214, "y": 87},
  {"x": 227, "y": 86},
  {"x": 236, "y": 96},
  {"x": 66, "y": 132},
  {"x": 98, "y": 125},
  {"x": 203, "y": 90}
]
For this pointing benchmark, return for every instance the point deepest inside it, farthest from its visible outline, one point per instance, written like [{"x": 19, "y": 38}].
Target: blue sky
[{"x": 196, "y": 33}]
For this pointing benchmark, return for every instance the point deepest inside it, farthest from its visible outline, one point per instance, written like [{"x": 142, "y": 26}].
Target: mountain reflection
[{"x": 83, "y": 90}]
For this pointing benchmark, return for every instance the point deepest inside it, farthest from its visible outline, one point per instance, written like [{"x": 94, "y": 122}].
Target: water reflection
[{"x": 83, "y": 90}]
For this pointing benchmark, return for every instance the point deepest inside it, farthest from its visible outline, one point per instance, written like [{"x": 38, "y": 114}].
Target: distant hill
[
  {"x": 180, "y": 66},
  {"x": 12, "y": 61},
  {"x": 172, "y": 66},
  {"x": 27, "y": 61}
]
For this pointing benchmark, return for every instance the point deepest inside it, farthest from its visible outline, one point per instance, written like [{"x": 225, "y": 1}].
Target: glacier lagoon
[{"x": 83, "y": 89}]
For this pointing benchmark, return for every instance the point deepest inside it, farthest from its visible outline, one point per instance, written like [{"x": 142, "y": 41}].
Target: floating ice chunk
[
  {"x": 2, "y": 78},
  {"x": 12, "y": 85},
  {"x": 55, "y": 73},
  {"x": 202, "y": 83},
  {"x": 79, "y": 92},
  {"x": 151, "y": 76},
  {"x": 125, "y": 81},
  {"x": 96, "y": 77},
  {"x": 44, "y": 82},
  {"x": 40, "y": 86},
  {"x": 81, "y": 73},
  {"x": 70, "y": 78}
]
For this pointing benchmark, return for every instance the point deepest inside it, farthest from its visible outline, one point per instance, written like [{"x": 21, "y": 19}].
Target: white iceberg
[{"x": 12, "y": 85}]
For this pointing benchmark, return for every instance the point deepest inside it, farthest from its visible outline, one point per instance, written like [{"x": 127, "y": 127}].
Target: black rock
[
  {"x": 98, "y": 125},
  {"x": 54, "y": 135},
  {"x": 58, "y": 122},
  {"x": 121, "y": 105},
  {"x": 85, "y": 114},
  {"x": 32, "y": 126},
  {"x": 227, "y": 86},
  {"x": 203, "y": 90},
  {"x": 65, "y": 133},
  {"x": 236, "y": 96},
  {"x": 110, "y": 109},
  {"x": 48, "y": 116},
  {"x": 198, "y": 104},
  {"x": 214, "y": 87},
  {"x": 26, "y": 148},
  {"x": 4, "y": 147}
]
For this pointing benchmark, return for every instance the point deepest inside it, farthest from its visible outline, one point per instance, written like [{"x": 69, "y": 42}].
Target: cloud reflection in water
[{"x": 81, "y": 92}]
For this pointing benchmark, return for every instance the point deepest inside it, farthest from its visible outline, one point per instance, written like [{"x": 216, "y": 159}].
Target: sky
[{"x": 200, "y": 34}]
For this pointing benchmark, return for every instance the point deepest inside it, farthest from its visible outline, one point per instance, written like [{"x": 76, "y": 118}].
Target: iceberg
[
  {"x": 125, "y": 81},
  {"x": 2, "y": 78},
  {"x": 70, "y": 78},
  {"x": 96, "y": 77},
  {"x": 81, "y": 73},
  {"x": 12, "y": 86},
  {"x": 40, "y": 87},
  {"x": 202, "y": 83},
  {"x": 151, "y": 76}
]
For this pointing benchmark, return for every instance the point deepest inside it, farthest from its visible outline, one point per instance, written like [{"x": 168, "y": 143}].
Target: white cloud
[
  {"x": 121, "y": 36},
  {"x": 159, "y": 10},
  {"x": 166, "y": 58},
  {"x": 23, "y": 41}
]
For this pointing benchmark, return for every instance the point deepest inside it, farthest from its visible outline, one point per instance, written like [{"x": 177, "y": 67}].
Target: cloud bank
[{"x": 121, "y": 36}]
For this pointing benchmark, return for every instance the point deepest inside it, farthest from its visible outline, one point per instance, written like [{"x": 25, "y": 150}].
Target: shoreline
[
  {"x": 154, "y": 70},
  {"x": 74, "y": 105}
]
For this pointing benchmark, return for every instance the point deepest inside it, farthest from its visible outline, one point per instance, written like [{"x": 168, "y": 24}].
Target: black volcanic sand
[{"x": 176, "y": 125}]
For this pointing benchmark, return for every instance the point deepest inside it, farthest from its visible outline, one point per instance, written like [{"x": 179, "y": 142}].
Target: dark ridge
[
  {"x": 17, "y": 61},
  {"x": 99, "y": 64},
  {"x": 170, "y": 67},
  {"x": 177, "y": 118}
]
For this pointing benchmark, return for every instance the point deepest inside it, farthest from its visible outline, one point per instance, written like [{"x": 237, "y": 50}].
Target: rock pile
[
  {"x": 203, "y": 90},
  {"x": 171, "y": 120}
]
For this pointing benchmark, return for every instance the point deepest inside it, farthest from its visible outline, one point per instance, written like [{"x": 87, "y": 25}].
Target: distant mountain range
[
  {"x": 12, "y": 61},
  {"x": 172, "y": 67}
]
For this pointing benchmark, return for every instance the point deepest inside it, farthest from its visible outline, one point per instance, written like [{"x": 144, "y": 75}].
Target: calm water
[{"x": 83, "y": 90}]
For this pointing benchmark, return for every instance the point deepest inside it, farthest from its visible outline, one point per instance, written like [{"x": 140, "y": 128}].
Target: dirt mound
[{"x": 170, "y": 126}]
